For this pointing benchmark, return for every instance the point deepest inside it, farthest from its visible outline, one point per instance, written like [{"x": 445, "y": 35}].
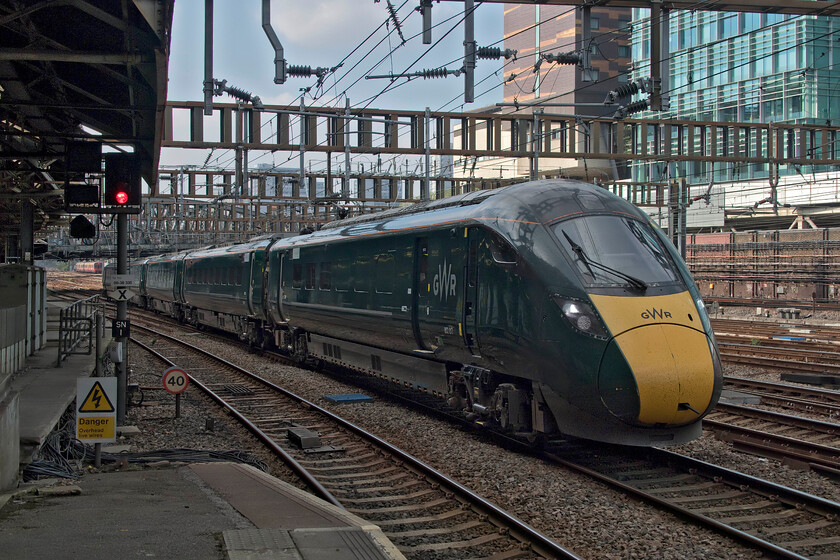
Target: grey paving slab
[{"x": 135, "y": 514}]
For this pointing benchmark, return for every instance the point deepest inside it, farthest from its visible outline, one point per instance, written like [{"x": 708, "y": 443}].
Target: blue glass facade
[{"x": 744, "y": 68}]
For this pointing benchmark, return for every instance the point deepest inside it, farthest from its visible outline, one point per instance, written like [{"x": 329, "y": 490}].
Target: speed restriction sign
[{"x": 175, "y": 380}]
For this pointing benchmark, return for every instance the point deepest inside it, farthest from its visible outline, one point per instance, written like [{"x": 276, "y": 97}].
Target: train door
[
  {"x": 273, "y": 282},
  {"x": 253, "y": 282},
  {"x": 178, "y": 280},
  {"x": 469, "y": 320},
  {"x": 420, "y": 289},
  {"x": 282, "y": 273}
]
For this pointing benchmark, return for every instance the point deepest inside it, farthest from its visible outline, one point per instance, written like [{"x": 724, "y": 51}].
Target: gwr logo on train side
[
  {"x": 443, "y": 284},
  {"x": 655, "y": 313}
]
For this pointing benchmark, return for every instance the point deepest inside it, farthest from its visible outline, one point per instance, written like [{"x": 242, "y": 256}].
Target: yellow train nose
[{"x": 673, "y": 371}]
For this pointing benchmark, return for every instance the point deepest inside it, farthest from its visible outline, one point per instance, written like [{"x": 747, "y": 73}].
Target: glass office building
[{"x": 742, "y": 67}]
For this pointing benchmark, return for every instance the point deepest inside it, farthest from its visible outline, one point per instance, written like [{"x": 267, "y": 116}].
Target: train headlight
[{"x": 582, "y": 317}]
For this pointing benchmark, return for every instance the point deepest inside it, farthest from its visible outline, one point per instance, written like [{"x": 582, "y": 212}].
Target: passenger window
[
  {"x": 361, "y": 275},
  {"x": 310, "y": 276},
  {"x": 297, "y": 275},
  {"x": 325, "y": 281},
  {"x": 385, "y": 272},
  {"x": 341, "y": 278}
]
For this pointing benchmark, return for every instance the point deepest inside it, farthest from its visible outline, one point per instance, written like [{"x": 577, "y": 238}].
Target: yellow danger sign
[
  {"x": 96, "y": 415},
  {"x": 96, "y": 427},
  {"x": 97, "y": 400}
]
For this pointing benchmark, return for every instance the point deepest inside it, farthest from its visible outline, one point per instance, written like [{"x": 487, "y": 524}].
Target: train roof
[
  {"x": 534, "y": 203},
  {"x": 256, "y": 244},
  {"x": 166, "y": 257}
]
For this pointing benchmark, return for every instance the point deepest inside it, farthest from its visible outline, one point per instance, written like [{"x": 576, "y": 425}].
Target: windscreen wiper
[{"x": 589, "y": 263}]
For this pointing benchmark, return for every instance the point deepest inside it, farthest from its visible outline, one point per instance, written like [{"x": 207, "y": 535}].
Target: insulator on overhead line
[
  {"x": 626, "y": 89},
  {"x": 299, "y": 71},
  {"x": 571, "y": 57},
  {"x": 392, "y": 14},
  {"x": 306, "y": 71},
  {"x": 238, "y": 93},
  {"x": 631, "y": 108},
  {"x": 438, "y": 73},
  {"x": 636, "y": 107},
  {"x": 494, "y": 53}
]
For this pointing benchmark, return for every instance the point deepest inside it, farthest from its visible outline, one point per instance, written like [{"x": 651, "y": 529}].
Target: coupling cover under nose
[{"x": 673, "y": 370}]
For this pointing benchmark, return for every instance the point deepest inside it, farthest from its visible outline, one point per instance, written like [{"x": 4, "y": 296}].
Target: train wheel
[{"x": 301, "y": 352}]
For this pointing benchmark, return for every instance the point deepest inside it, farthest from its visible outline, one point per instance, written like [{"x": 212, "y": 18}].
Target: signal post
[{"x": 121, "y": 196}]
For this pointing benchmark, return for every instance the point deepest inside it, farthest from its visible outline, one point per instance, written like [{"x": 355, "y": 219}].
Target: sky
[{"x": 322, "y": 33}]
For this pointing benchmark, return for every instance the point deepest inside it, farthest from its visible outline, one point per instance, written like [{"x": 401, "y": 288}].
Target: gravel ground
[{"x": 582, "y": 515}]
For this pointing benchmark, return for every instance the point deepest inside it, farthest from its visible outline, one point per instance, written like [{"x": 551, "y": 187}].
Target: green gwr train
[{"x": 550, "y": 307}]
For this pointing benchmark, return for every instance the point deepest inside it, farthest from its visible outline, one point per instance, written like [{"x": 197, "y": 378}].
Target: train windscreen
[{"x": 611, "y": 250}]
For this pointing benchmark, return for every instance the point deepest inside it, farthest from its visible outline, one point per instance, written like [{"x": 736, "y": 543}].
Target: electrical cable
[{"x": 681, "y": 52}]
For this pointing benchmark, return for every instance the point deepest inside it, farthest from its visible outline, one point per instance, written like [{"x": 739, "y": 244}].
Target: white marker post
[{"x": 176, "y": 381}]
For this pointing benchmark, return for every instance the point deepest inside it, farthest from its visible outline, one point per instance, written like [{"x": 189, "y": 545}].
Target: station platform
[
  {"x": 206, "y": 510},
  {"x": 46, "y": 389}
]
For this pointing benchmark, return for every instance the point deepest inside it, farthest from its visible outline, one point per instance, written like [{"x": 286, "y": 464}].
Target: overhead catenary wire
[
  {"x": 636, "y": 22},
  {"x": 391, "y": 87},
  {"x": 367, "y": 102}
]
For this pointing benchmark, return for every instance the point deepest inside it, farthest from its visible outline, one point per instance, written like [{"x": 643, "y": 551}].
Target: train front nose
[{"x": 658, "y": 374}]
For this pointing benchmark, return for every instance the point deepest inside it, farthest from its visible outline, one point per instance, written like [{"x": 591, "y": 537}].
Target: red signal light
[{"x": 121, "y": 197}]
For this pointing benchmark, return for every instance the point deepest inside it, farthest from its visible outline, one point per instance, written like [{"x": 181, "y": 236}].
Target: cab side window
[{"x": 297, "y": 274}]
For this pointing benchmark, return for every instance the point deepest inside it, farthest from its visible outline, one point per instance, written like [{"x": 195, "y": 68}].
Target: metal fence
[{"x": 77, "y": 323}]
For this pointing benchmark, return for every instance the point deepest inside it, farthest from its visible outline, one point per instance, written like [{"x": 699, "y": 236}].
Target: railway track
[
  {"x": 779, "y": 357},
  {"x": 804, "y": 348},
  {"x": 817, "y": 333},
  {"x": 803, "y": 304},
  {"x": 794, "y": 440},
  {"x": 782, "y": 522},
  {"x": 421, "y": 510},
  {"x": 793, "y": 397},
  {"x": 70, "y": 281}
]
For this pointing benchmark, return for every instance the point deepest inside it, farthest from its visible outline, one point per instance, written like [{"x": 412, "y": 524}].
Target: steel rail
[
  {"x": 305, "y": 475},
  {"x": 728, "y": 477},
  {"x": 783, "y": 446},
  {"x": 784, "y": 351},
  {"x": 814, "y": 400},
  {"x": 794, "y": 365},
  {"x": 778, "y": 326},
  {"x": 822, "y": 395},
  {"x": 814, "y": 503},
  {"x": 735, "y": 479},
  {"x": 520, "y": 530},
  {"x": 778, "y": 417},
  {"x": 805, "y": 304}
]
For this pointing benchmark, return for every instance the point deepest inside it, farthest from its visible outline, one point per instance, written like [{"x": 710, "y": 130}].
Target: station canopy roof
[{"x": 76, "y": 70}]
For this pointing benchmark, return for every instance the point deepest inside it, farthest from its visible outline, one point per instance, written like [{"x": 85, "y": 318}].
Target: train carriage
[
  {"x": 546, "y": 307},
  {"x": 90, "y": 267},
  {"x": 161, "y": 281},
  {"x": 223, "y": 288}
]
